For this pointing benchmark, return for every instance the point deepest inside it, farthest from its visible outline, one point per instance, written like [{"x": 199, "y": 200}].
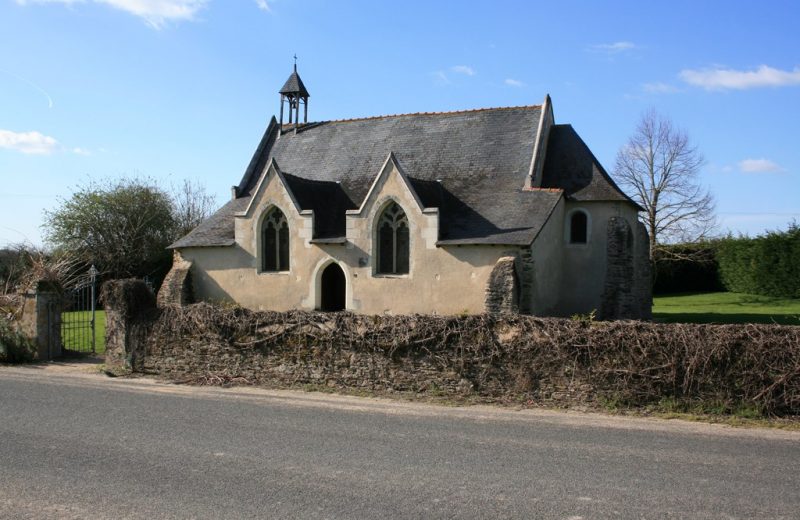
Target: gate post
[
  {"x": 130, "y": 313},
  {"x": 41, "y": 319}
]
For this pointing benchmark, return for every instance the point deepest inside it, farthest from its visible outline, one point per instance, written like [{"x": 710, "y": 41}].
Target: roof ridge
[
  {"x": 445, "y": 113},
  {"x": 549, "y": 190}
]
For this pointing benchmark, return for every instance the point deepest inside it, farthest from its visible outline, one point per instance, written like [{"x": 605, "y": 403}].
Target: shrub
[
  {"x": 14, "y": 346},
  {"x": 768, "y": 265}
]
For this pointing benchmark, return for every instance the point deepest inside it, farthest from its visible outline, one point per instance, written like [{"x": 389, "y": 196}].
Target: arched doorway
[{"x": 333, "y": 287}]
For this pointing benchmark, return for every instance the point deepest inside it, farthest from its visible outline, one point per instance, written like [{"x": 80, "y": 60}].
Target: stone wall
[
  {"x": 130, "y": 315},
  {"x": 617, "y": 299},
  {"x": 502, "y": 290},
  {"x": 177, "y": 286},
  {"x": 488, "y": 357},
  {"x": 40, "y": 319},
  {"x": 643, "y": 275},
  {"x": 627, "y": 293}
]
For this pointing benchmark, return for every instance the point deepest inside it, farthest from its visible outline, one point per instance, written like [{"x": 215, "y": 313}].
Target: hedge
[
  {"x": 768, "y": 265},
  {"x": 489, "y": 358}
]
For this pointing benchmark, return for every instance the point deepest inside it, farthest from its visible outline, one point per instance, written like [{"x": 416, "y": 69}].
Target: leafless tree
[
  {"x": 659, "y": 168},
  {"x": 192, "y": 204}
]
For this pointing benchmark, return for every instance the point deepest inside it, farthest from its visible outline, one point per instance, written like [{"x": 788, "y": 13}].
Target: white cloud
[
  {"x": 263, "y": 5},
  {"x": 463, "y": 69},
  {"x": 759, "y": 166},
  {"x": 659, "y": 88},
  {"x": 157, "y": 13},
  {"x": 81, "y": 151},
  {"x": 514, "y": 82},
  {"x": 722, "y": 79},
  {"x": 612, "y": 48},
  {"x": 28, "y": 142}
]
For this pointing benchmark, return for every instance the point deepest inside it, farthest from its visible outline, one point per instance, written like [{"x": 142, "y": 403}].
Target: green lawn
[
  {"x": 724, "y": 307},
  {"x": 76, "y": 337}
]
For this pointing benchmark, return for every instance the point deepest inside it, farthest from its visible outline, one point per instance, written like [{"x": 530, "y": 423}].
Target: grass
[
  {"x": 725, "y": 307},
  {"x": 79, "y": 339}
]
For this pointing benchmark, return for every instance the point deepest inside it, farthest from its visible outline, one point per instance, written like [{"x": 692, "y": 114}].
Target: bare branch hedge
[{"x": 491, "y": 357}]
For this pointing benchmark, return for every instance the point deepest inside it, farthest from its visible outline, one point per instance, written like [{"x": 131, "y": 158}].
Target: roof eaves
[
  {"x": 549, "y": 215},
  {"x": 477, "y": 242},
  {"x": 261, "y": 150},
  {"x": 220, "y": 243}
]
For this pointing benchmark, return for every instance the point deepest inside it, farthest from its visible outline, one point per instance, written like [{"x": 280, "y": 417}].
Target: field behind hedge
[{"x": 725, "y": 307}]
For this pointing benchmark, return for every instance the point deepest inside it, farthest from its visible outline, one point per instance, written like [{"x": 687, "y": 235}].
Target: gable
[
  {"x": 472, "y": 163},
  {"x": 390, "y": 166},
  {"x": 450, "y": 147},
  {"x": 570, "y": 165},
  {"x": 473, "y": 166},
  {"x": 273, "y": 171}
]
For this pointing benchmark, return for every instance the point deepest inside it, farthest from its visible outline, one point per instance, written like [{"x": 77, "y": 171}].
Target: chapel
[{"x": 482, "y": 210}]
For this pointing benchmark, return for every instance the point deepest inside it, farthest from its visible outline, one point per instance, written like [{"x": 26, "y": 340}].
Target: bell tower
[{"x": 294, "y": 94}]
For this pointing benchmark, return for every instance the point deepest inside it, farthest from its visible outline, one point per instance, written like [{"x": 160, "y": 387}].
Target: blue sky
[{"x": 175, "y": 89}]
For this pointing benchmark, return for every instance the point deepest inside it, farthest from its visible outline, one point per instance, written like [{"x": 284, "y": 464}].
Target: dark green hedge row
[
  {"x": 768, "y": 264},
  {"x": 683, "y": 268}
]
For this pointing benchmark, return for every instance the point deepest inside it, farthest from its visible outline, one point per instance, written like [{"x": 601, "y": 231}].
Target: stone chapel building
[{"x": 488, "y": 210}]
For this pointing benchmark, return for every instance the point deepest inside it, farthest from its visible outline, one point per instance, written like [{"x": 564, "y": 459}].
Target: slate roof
[
  {"x": 294, "y": 85},
  {"x": 571, "y": 166},
  {"x": 472, "y": 165},
  {"x": 216, "y": 230}
]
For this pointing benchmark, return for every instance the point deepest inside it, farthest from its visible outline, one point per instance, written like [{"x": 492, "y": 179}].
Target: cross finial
[{"x": 295, "y": 62}]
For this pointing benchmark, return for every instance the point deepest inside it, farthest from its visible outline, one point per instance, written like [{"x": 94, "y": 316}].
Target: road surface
[{"x": 79, "y": 445}]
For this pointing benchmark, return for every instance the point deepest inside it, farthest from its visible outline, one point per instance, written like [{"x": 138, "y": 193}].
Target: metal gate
[{"x": 78, "y": 315}]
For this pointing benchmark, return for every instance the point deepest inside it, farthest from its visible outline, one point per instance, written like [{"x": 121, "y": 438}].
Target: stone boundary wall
[
  {"x": 176, "y": 289},
  {"x": 510, "y": 358},
  {"x": 40, "y": 319},
  {"x": 502, "y": 288}
]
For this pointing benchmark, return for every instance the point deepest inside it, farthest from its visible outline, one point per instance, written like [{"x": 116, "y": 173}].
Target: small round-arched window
[
  {"x": 275, "y": 242},
  {"x": 578, "y": 228},
  {"x": 393, "y": 241}
]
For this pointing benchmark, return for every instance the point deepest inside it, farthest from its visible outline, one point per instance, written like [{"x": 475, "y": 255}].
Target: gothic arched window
[
  {"x": 393, "y": 241},
  {"x": 275, "y": 242}
]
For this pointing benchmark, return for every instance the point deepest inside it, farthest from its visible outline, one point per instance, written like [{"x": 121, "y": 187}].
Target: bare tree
[
  {"x": 659, "y": 167},
  {"x": 192, "y": 204}
]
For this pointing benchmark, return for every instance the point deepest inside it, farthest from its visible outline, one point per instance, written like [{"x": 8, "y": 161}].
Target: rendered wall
[
  {"x": 585, "y": 265},
  {"x": 557, "y": 278},
  {"x": 443, "y": 280},
  {"x": 547, "y": 258}
]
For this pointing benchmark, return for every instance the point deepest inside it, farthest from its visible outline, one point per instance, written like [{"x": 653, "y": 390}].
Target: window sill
[{"x": 390, "y": 275}]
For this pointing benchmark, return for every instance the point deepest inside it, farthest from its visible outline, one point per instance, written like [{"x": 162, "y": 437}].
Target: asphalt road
[{"x": 79, "y": 445}]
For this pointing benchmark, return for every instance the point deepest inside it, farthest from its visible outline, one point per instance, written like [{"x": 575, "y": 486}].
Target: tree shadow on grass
[{"x": 713, "y": 317}]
